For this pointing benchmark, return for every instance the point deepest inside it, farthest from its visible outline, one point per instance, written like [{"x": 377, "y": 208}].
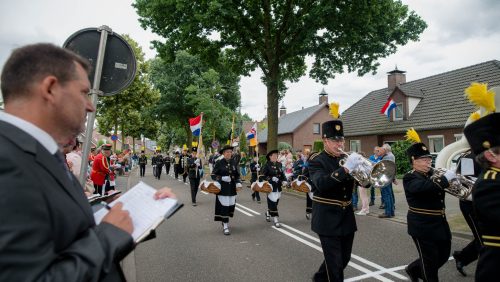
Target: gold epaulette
[
  {"x": 491, "y": 174},
  {"x": 314, "y": 155}
]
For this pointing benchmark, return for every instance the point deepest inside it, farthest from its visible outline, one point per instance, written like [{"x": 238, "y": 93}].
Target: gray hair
[{"x": 387, "y": 148}]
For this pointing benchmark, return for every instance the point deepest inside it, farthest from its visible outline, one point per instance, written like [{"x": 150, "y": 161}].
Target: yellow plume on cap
[
  {"x": 479, "y": 95},
  {"x": 334, "y": 110},
  {"x": 475, "y": 116},
  {"x": 412, "y": 135}
]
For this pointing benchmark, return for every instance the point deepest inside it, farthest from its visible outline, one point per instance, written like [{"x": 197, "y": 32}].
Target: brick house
[
  {"x": 435, "y": 106},
  {"x": 300, "y": 128}
]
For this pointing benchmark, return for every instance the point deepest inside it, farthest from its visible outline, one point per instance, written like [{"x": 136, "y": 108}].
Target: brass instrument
[
  {"x": 367, "y": 173},
  {"x": 460, "y": 187}
]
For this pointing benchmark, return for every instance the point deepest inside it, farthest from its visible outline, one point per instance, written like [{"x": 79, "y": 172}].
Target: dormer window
[{"x": 399, "y": 112}]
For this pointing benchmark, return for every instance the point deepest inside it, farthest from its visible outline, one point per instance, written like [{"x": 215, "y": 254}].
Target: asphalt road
[{"x": 190, "y": 246}]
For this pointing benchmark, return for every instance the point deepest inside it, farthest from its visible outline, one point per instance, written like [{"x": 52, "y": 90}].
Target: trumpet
[
  {"x": 460, "y": 186},
  {"x": 367, "y": 173}
]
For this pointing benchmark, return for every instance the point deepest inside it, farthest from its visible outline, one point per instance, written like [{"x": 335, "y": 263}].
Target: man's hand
[
  {"x": 164, "y": 193},
  {"x": 119, "y": 218}
]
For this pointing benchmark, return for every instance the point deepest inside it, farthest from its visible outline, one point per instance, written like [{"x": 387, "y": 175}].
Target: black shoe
[
  {"x": 372, "y": 204},
  {"x": 459, "y": 264},
  {"x": 382, "y": 207},
  {"x": 413, "y": 277},
  {"x": 258, "y": 201}
]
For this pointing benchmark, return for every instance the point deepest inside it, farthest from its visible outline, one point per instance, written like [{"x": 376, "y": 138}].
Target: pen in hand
[{"x": 105, "y": 205}]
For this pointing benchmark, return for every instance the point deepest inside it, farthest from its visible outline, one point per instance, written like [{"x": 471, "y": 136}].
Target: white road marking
[
  {"x": 248, "y": 209},
  {"x": 244, "y": 212},
  {"x": 368, "y": 275},
  {"x": 186, "y": 183},
  {"x": 365, "y": 261},
  {"x": 318, "y": 248}
]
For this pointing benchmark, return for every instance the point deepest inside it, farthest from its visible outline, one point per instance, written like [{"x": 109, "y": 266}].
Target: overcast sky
[{"x": 460, "y": 33}]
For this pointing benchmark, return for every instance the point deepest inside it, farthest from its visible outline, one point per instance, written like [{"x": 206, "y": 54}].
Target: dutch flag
[
  {"x": 195, "y": 124},
  {"x": 387, "y": 108}
]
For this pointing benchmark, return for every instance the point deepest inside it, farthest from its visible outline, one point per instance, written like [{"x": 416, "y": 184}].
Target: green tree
[
  {"x": 189, "y": 88},
  {"x": 402, "y": 162},
  {"x": 130, "y": 110},
  {"x": 276, "y": 36}
]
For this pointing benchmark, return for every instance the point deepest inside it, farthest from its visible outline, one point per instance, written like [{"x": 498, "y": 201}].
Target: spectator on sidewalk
[
  {"x": 375, "y": 158},
  {"x": 387, "y": 192}
]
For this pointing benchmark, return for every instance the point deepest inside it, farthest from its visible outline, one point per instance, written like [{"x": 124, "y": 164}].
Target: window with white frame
[
  {"x": 436, "y": 143},
  {"x": 398, "y": 112},
  {"x": 458, "y": 136},
  {"x": 316, "y": 128},
  {"x": 355, "y": 145}
]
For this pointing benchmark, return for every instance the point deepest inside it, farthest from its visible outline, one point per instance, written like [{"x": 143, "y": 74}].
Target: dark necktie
[{"x": 62, "y": 162}]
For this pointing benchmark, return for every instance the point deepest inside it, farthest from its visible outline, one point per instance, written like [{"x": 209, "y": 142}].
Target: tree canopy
[{"x": 277, "y": 35}]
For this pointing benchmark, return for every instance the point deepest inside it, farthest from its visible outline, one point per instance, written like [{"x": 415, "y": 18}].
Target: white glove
[
  {"x": 226, "y": 179},
  {"x": 450, "y": 174},
  {"x": 238, "y": 185},
  {"x": 353, "y": 161},
  {"x": 217, "y": 184},
  {"x": 284, "y": 183},
  {"x": 275, "y": 179},
  {"x": 257, "y": 166},
  {"x": 197, "y": 162}
]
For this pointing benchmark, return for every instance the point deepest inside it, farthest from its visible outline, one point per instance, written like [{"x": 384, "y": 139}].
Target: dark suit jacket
[{"x": 47, "y": 229}]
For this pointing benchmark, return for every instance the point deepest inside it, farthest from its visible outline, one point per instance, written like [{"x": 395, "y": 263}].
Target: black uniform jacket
[
  {"x": 143, "y": 160},
  {"x": 153, "y": 160},
  {"x": 167, "y": 160},
  {"x": 271, "y": 170},
  {"x": 193, "y": 168},
  {"x": 159, "y": 160},
  {"x": 426, "y": 209},
  {"x": 332, "y": 186},
  {"x": 486, "y": 201},
  {"x": 222, "y": 168}
]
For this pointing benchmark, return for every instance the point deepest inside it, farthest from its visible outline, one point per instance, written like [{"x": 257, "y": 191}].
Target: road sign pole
[{"x": 105, "y": 30}]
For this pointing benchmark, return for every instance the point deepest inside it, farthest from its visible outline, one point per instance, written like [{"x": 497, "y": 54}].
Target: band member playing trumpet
[
  {"x": 332, "y": 213},
  {"x": 227, "y": 177},
  {"x": 426, "y": 218},
  {"x": 483, "y": 136},
  {"x": 273, "y": 173}
]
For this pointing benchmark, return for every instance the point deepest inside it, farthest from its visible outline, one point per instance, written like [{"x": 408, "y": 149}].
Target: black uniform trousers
[
  {"x": 142, "y": 169},
  {"x": 433, "y": 255},
  {"x": 154, "y": 171},
  {"x": 167, "y": 168},
  {"x": 184, "y": 176},
  {"x": 272, "y": 207},
  {"x": 176, "y": 171},
  {"x": 158, "y": 171},
  {"x": 337, "y": 253},
  {"x": 470, "y": 252},
  {"x": 223, "y": 213},
  {"x": 194, "y": 183}
]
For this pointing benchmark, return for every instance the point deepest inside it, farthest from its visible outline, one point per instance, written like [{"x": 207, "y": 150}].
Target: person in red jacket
[{"x": 100, "y": 173}]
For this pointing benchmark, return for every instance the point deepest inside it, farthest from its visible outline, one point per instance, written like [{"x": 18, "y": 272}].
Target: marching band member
[
  {"x": 159, "y": 164},
  {"x": 177, "y": 165},
  {"x": 167, "y": 161},
  {"x": 426, "y": 217},
  {"x": 184, "y": 164},
  {"x": 143, "y": 161},
  {"x": 332, "y": 214},
  {"x": 153, "y": 163},
  {"x": 254, "y": 169},
  {"x": 483, "y": 136},
  {"x": 470, "y": 252},
  {"x": 101, "y": 170},
  {"x": 273, "y": 172},
  {"x": 227, "y": 177},
  {"x": 194, "y": 164}
]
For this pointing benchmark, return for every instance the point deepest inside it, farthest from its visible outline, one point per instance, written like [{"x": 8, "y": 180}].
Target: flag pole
[
  {"x": 201, "y": 130},
  {"x": 232, "y": 132}
]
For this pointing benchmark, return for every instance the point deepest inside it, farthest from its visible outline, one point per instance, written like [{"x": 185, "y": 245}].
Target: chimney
[
  {"x": 395, "y": 78},
  {"x": 282, "y": 110},
  {"x": 323, "y": 97}
]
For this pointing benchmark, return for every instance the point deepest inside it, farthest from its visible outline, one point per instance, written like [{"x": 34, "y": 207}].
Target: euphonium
[
  {"x": 460, "y": 187},
  {"x": 367, "y": 173}
]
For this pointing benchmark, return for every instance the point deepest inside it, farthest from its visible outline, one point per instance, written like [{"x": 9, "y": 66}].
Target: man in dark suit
[
  {"x": 47, "y": 231},
  {"x": 332, "y": 213}
]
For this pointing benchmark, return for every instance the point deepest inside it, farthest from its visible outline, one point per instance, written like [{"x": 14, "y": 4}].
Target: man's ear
[{"x": 49, "y": 86}]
